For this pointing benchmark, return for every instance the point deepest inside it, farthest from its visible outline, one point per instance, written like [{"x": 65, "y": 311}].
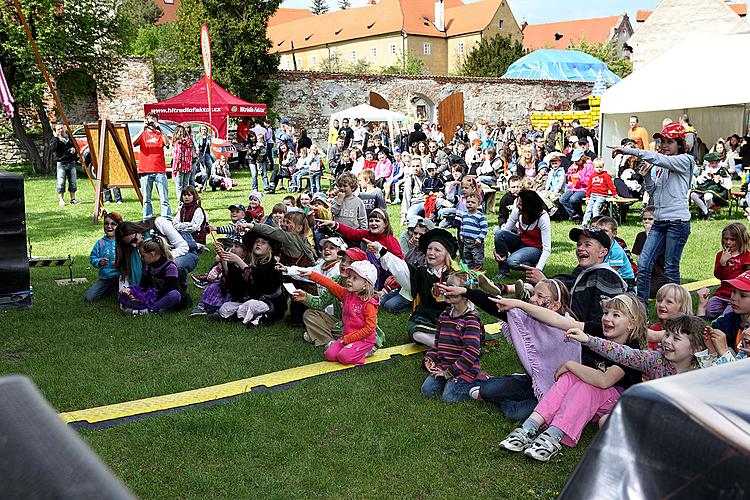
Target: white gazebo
[
  {"x": 716, "y": 101},
  {"x": 371, "y": 114}
]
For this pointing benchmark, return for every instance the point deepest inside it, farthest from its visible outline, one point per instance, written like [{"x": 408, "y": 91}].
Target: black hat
[
  {"x": 592, "y": 232},
  {"x": 233, "y": 240},
  {"x": 248, "y": 240},
  {"x": 238, "y": 206},
  {"x": 441, "y": 236}
]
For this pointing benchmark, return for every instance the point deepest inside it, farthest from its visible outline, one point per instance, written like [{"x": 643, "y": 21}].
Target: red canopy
[{"x": 192, "y": 106}]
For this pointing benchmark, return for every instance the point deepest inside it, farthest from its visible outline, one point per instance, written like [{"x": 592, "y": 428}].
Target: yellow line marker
[
  {"x": 229, "y": 389},
  {"x": 697, "y": 285}
]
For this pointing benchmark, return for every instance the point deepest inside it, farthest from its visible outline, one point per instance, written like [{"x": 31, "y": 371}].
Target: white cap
[
  {"x": 335, "y": 241},
  {"x": 366, "y": 270}
]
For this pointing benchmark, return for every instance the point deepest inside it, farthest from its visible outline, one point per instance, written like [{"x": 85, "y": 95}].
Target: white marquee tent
[
  {"x": 371, "y": 114},
  {"x": 688, "y": 78}
]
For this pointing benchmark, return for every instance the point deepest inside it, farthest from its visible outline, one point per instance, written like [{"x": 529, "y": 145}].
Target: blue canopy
[{"x": 570, "y": 65}]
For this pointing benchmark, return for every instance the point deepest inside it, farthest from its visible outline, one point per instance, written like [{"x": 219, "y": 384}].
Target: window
[
  {"x": 374, "y": 52},
  {"x": 461, "y": 48},
  {"x": 332, "y": 57},
  {"x": 500, "y": 24},
  {"x": 392, "y": 49},
  {"x": 313, "y": 61},
  {"x": 427, "y": 48},
  {"x": 353, "y": 56}
]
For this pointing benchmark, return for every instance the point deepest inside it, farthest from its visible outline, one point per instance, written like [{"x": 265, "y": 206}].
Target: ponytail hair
[
  {"x": 299, "y": 218},
  {"x": 156, "y": 244}
]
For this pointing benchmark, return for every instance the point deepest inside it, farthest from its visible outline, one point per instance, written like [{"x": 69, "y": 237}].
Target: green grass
[{"x": 365, "y": 432}]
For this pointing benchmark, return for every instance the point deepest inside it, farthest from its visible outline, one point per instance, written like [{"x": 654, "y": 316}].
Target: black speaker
[
  {"x": 40, "y": 456},
  {"x": 15, "y": 285}
]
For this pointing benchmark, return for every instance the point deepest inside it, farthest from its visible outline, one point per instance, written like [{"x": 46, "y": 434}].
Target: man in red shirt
[{"x": 152, "y": 169}]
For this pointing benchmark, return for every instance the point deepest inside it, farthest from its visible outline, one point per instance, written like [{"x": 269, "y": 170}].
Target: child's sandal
[
  {"x": 518, "y": 440},
  {"x": 543, "y": 448}
]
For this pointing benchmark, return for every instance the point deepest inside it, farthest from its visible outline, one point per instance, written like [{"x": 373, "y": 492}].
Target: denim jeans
[
  {"x": 593, "y": 207},
  {"x": 450, "y": 391},
  {"x": 568, "y": 199},
  {"x": 513, "y": 394},
  {"x": 668, "y": 238},
  {"x": 114, "y": 192},
  {"x": 508, "y": 243},
  {"x": 315, "y": 182},
  {"x": 162, "y": 188},
  {"x": 66, "y": 170},
  {"x": 185, "y": 265},
  {"x": 394, "y": 302},
  {"x": 259, "y": 168},
  {"x": 181, "y": 181},
  {"x": 188, "y": 237},
  {"x": 297, "y": 177},
  {"x": 473, "y": 254},
  {"x": 101, "y": 288}
]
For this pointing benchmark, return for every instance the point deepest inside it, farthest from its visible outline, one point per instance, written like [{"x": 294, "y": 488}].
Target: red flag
[
  {"x": 206, "y": 52},
  {"x": 6, "y": 100}
]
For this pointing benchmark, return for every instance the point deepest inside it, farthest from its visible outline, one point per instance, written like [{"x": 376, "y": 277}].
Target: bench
[
  {"x": 615, "y": 205},
  {"x": 734, "y": 201}
]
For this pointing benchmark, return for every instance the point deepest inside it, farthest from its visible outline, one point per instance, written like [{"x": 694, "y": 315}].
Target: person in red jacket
[
  {"x": 600, "y": 185},
  {"x": 152, "y": 168}
]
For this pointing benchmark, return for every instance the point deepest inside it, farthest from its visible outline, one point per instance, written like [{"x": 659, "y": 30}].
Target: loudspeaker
[
  {"x": 41, "y": 456},
  {"x": 15, "y": 287}
]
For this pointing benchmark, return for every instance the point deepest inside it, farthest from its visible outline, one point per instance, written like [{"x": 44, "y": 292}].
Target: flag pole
[{"x": 51, "y": 88}]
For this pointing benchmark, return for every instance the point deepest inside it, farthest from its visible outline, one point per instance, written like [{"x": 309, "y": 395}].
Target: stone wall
[
  {"x": 11, "y": 153},
  {"x": 136, "y": 89}
]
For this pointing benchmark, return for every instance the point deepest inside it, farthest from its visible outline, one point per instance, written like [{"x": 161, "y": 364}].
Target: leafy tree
[
  {"x": 134, "y": 15},
  {"x": 331, "y": 64},
  {"x": 359, "y": 67},
  {"x": 319, "y": 7},
  {"x": 158, "y": 41},
  {"x": 344, "y": 4},
  {"x": 492, "y": 56},
  {"x": 239, "y": 44},
  {"x": 408, "y": 64},
  {"x": 608, "y": 53},
  {"x": 84, "y": 36}
]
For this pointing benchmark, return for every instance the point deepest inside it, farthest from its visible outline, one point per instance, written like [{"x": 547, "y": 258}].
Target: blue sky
[{"x": 543, "y": 11}]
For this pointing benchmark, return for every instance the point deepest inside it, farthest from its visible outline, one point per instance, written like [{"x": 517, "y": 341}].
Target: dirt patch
[{"x": 13, "y": 357}]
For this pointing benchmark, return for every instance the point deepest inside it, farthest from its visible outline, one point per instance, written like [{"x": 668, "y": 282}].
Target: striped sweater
[
  {"x": 457, "y": 344},
  {"x": 474, "y": 226}
]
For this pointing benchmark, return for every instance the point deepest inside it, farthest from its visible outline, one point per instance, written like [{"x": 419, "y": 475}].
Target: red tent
[{"x": 192, "y": 106}]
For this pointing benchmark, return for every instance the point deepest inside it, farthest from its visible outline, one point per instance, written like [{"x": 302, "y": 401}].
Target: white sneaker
[
  {"x": 474, "y": 392},
  {"x": 518, "y": 440},
  {"x": 140, "y": 312},
  {"x": 543, "y": 448},
  {"x": 306, "y": 337}
]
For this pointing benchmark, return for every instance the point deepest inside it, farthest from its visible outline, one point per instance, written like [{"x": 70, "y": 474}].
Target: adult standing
[
  {"x": 66, "y": 154},
  {"x": 334, "y": 156},
  {"x": 417, "y": 135},
  {"x": 152, "y": 169},
  {"x": 638, "y": 134},
  {"x": 347, "y": 132},
  {"x": 268, "y": 136},
  {"x": 668, "y": 190}
]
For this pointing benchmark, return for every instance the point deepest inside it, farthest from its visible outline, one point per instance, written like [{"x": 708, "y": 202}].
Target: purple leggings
[{"x": 170, "y": 301}]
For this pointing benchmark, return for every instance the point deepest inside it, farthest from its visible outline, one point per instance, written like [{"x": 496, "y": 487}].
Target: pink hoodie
[{"x": 383, "y": 169}]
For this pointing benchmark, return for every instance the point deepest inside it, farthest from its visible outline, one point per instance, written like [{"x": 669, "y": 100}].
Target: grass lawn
[{"x": 361, "y": 433}]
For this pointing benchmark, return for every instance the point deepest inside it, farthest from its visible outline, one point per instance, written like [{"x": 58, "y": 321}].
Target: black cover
[
  {"x": 685, "y": 436},
  {"x": 41, "y": 457},
  {"x": 14, "y": 263}
]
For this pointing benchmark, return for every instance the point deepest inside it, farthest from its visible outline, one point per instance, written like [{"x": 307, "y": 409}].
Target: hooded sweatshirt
[{"x": 673, "y": 178}]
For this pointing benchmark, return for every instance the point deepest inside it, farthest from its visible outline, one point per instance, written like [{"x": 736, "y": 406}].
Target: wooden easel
[{"x": 115, "y": 166}]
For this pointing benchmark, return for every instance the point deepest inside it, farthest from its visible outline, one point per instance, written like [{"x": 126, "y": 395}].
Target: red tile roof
[
  {"x": 282, "y": 15},
  {"x": 415, "y": 17},
  {"x": 739, "y": 8},
  {"x": 542, "y": 36},
  {"x": 170, "y": 10}
]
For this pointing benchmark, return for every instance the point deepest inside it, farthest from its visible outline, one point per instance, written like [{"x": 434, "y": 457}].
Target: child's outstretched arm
[
  {"x": 651, "y": 363},
  {"x": 592, "y": 376},
  {"x": 336, "y": 289},
  {"x": 547, "y": 316},
  {"x": 390, "y": 262}
]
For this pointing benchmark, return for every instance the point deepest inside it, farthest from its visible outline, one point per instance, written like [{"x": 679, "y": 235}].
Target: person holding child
[{"x": 103, "y": 258}]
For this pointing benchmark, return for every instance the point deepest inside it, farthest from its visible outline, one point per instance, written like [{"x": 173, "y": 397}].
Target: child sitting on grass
[
  {"x": 103, "y": 257},
  {"x": 277, "y": 215},
  {"x": 617, "y": 257},
  {"x": 672, "y": 300},
  {"x": 371, "y": 196},
  {"x": 191, "y": 220},
  {"x": 225, "y": 279},
  {"x": 254, "y": 212},
  {"x": 453, "y": 363},
  {"x": 731, "y": 261},
  {"x": 237, "y": 217},
  {"x": 159, "y": 289},
  {"x": 359, "y": 313}
]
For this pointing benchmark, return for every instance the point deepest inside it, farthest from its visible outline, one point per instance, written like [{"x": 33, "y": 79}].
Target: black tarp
[{"x": 685, "y": 436}]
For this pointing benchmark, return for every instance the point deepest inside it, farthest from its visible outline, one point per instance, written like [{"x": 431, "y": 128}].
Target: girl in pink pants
[
  {"x": 359, "y": 312},
  {"x": 582, "y": 393}
]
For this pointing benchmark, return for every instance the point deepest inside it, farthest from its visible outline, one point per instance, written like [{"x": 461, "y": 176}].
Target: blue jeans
[
  {"x": 259, "y": 168},
  {"x": 513, "y": 394},
  {"x": 394, "y": 302},
  {"x": 181, "y": 181},
  {"x": 593, "y": 207},
  {"x": 297, "y": 177},
  {"x": 315, "y": 182},
  {"x": 508, "y": 244},
  {"x": 109, "y": 193},
  {"x": 450, "y": 391},
  {"x": 66, "y": 170},
  {"x": 188, "y": 237},
  {"x": 446, "y": 216},
  {"x": 186, "y": 264},
  {"x": 101, "y": 288},
  {"x": 162, "y": 188},
  {"x": 668, "y": 238},
  {"x": 568, "y": 199}
]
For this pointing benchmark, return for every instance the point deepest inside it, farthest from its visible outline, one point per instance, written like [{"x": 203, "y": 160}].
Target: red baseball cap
[
  {"x": 671, "y": 131},
  {"x": 741, "y": 282},
  {"x": 354, "y": 253}
]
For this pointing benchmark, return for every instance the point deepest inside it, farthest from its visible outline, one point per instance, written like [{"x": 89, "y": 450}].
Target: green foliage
[
  {"x": 608, "y": 53},
  {"x": 241, "y": 61},
  {"x": 405, "y": 65},
  {"x": 331, "y": 64},
  {"x": 134, "y": 15},
  {"x": 158, "y": 41},
  {"x": 319, "y": 7},
  {"x": 492, "y": 56},
  {"x": 344, "y": 4}
]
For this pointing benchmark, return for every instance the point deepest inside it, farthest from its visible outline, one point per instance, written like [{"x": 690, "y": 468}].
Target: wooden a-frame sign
[{"x": 115, "y": 167}]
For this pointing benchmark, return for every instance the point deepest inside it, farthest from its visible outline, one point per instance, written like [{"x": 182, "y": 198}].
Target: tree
[
  {"x": 491, "y": 57},
  {"x": 84, "y": 36},
  {"x": 608, "y": 53},
  {"x": 408, "y": 64},
  {"x": 134, "y": 15},
  {"x": 239, "y": 44},
  {"x": 319, "y": 7},
  {"x": 344, "y": 4}
]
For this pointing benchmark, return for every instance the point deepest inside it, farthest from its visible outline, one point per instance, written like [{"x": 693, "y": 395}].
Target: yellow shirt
[{"x": 640, "y": 136}]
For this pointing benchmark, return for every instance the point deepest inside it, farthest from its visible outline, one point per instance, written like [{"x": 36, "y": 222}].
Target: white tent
[
  {"x": 371, "y": 114},
  {"x": 688, "y": 78}
]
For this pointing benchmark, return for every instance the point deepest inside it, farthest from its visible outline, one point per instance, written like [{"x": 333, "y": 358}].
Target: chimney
[
  {"x": 439, "y": 15},
  {"x": 524, "y": 23}
]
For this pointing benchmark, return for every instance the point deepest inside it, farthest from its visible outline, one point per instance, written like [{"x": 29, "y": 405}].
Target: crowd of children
[{"x": 333, "y": 261}]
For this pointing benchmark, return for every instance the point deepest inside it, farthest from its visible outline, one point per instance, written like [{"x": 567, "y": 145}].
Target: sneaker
[
  {"x": 306, "y": 337},
  {"x": 75, "y": 202},
  {"x": 474, "y": 393},
  {"x": 127, "y": 311},
  {"x": 119, "y": 202},
  {"x": 520, "y": 292},
  {"x": 501, "y": 276},
  {"x": 543, "y": 448},
  {"x": 140, "y": 312},
  {"x": 61, "y": 203},
  {"x": 198, "y": 311},
  {"x": 372, "y": 351},
  {"x": 518, "y": 440},
  {"x": 201, "y": 248}
]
